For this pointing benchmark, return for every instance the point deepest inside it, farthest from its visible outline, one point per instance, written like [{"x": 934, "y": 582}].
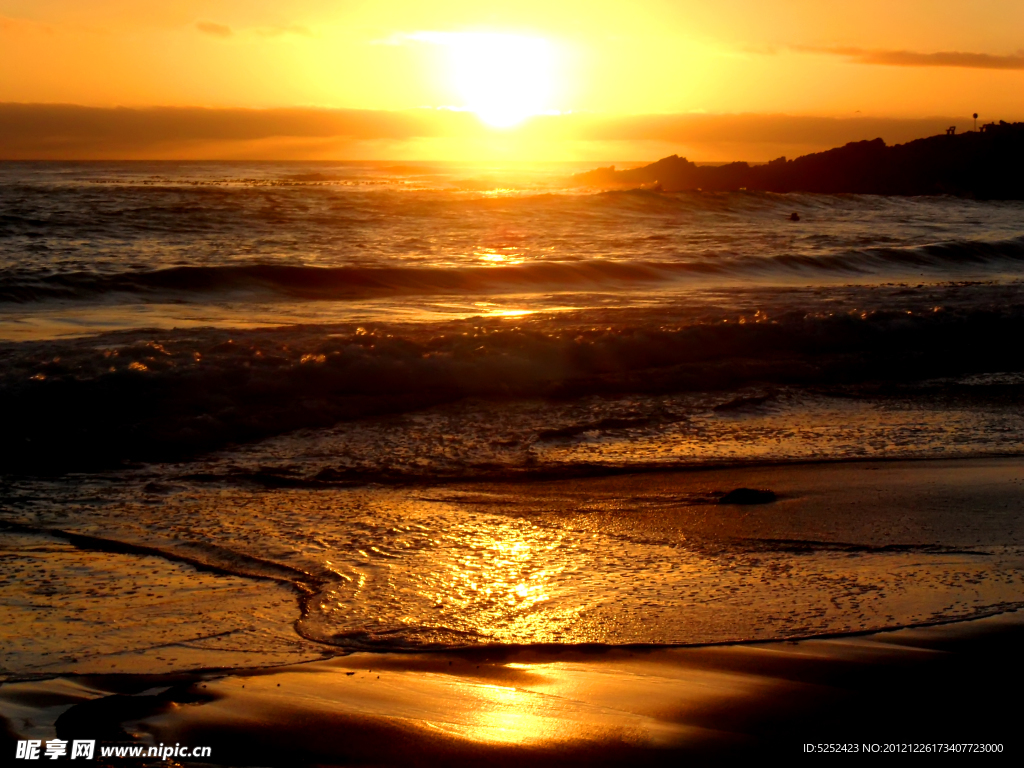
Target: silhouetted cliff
[{"x": 987, "y": 164}]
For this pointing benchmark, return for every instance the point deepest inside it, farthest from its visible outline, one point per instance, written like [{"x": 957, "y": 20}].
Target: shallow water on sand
[{"x": 634, "y": 559}]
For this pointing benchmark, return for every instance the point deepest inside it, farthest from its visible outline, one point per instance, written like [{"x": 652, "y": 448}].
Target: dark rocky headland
[{"x": 986, "y": 164}]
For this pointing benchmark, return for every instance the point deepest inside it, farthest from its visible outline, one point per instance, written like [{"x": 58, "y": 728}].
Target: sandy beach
[{"x": 940, "y": 685}]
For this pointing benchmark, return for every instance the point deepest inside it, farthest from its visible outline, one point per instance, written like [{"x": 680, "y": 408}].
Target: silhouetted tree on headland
[{"x": 987, "y": 164}]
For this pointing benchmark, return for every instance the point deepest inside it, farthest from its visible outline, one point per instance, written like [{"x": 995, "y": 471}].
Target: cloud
[
  {"x": 215, "y": 29},
  {"x": 916, "y": 59},
  {"x": 725, "y": 137},
  {"x": 757, "y": 128},
  {"x": 67, "y": 132}
]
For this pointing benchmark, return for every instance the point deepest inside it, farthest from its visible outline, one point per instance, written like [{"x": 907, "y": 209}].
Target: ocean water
[{"x": 405, "y": 394}]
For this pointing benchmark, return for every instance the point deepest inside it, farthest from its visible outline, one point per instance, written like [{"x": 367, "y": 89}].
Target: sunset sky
[{"x": 519, "y": 79}]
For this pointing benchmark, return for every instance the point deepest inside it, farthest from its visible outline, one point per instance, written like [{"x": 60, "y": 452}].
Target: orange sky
[{"x": 605, "y": 62}]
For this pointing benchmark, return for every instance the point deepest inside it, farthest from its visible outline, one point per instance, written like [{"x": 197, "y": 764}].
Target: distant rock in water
[
  {"x": 986, "y": 164},
  {"x": 794, "y": 216},
  {"x": 748, "y": 496}
]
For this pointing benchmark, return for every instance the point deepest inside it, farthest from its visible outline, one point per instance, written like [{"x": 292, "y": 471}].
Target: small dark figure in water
[
  {"x": 748, "y": 496},
  {"x": 794, "y": 216}
]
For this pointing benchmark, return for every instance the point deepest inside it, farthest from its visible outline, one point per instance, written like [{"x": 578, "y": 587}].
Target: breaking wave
[
  {"x": 134, "y": 396},
  {"x": 352, "y": 282}
]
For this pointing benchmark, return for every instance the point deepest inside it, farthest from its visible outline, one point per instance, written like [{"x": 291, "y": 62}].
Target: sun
[{"x": 502, "y": 78}]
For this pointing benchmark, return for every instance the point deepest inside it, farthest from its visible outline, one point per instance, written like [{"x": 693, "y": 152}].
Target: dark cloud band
[{"x": 916, "y": 59}]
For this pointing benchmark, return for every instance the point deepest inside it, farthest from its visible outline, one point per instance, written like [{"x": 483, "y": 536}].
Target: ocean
[{"x": 281, "y": 408}]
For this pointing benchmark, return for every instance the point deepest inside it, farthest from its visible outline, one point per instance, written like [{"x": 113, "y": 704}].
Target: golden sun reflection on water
[
  {"x": 503, "y": 574},
  {"x": 515, "y": 565},
  {"x": 482, "y": 579},
  {"x": 503, "y": 256}
]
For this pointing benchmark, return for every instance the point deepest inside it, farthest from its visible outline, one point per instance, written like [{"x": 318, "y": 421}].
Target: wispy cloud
[
  {"x": 916, "y": 59},
  {"x": 215, "y": 29}
]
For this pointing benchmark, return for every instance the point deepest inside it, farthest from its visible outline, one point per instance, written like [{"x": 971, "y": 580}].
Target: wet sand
[{"x": 939, "y": 684}]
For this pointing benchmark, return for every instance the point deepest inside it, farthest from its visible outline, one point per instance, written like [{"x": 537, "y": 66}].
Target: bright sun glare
[{"x": 502, "y": 78}]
